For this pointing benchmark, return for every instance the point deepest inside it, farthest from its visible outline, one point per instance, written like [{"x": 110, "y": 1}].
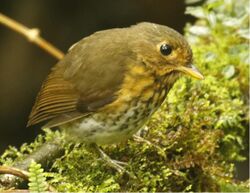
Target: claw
[{"x": 115, "y": 164}]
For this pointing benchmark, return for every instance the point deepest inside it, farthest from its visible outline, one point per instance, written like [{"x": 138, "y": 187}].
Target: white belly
[{"x": 93, "y": 129}]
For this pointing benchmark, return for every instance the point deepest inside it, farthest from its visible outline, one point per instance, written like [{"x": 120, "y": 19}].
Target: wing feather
[
  {"x": 56, "y": 96},
  {"x": 82, "y": 81}
]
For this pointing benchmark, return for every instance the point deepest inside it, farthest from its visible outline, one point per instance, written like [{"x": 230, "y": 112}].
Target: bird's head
[{"x": 163, "y": 49}]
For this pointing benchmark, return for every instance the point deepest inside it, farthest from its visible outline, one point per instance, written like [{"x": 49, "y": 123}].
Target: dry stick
[
  {"x": 14, "y": 171},
  {"x": 17, "y": 191},
  {"x": 32, "y": 35},
  {"x": 20, "y": 173}
]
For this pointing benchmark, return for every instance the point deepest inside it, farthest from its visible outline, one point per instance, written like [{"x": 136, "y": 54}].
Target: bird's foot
[{"x": 115, "y": 164}]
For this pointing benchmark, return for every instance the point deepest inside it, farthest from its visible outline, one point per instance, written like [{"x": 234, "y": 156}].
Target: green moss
[{"x": 196, "y": 136}]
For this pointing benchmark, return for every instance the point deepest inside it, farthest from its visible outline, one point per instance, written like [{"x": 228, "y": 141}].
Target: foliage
[
  {"x": 192, "y": 142},
  {"x": 37, "y": 180}
]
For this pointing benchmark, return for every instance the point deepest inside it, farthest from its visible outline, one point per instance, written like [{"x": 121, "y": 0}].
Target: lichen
[{"x": 194, "y": 140}]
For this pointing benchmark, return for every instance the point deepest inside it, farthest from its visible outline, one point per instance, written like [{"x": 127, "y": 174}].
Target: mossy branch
[{"x": 44, "y": 155}]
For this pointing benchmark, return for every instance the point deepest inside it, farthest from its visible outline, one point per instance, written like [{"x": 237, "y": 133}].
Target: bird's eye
[{"x": 165, "y": 49}]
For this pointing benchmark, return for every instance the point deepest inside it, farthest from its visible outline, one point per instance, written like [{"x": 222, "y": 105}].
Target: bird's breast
[{"x": 141, "y": 94}]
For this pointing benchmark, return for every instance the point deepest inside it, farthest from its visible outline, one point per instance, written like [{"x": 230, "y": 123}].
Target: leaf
[
  {"x": 196, "y": 12},
  {"x": 244, "y": 33},
  {"x": 199, "y": 30},
  {"x": 37, "y": 180},
  {"x": 229, "y": 71}
]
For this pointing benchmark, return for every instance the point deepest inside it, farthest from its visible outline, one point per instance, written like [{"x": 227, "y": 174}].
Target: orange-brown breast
[
  {"x": 142, "y": 85},
  {"x": 141, "y": 94}
]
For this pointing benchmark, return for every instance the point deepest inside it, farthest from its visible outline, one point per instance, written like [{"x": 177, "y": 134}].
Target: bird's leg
[{"x": 117, "y": 165}]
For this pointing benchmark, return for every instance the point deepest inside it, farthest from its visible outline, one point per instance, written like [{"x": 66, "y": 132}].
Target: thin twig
[
  {"x": 20, "y": 173},
  {"x": 14, "y": 171},
  {"x": 32, "y": 35},
  {"x": 16, "y": 191}
]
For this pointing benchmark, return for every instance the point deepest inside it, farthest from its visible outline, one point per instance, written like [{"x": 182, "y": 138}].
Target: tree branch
[
  {"x": 32, "y": 35},
  {"x": 44, "y": 155},
  {"x": 21, "y": 174},
  {"x": 14, "y": 171}
]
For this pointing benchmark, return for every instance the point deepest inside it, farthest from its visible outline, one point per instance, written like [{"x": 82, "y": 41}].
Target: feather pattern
[
  {"x": 56, "y": 97},
  {"x": 82, "y": 82}
]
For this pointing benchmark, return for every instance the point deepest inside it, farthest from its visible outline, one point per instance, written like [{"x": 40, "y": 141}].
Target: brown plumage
[{"x": 111, "y": 77}]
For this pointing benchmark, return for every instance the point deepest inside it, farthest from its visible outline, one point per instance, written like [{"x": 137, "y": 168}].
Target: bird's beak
[{"x": 191, "y": 70}]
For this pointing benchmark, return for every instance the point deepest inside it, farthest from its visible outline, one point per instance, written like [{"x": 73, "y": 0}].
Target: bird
[{"x": 110, "y": 83}]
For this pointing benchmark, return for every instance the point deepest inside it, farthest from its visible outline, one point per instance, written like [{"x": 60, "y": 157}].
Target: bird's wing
[{"x": 81, "y": 83}]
